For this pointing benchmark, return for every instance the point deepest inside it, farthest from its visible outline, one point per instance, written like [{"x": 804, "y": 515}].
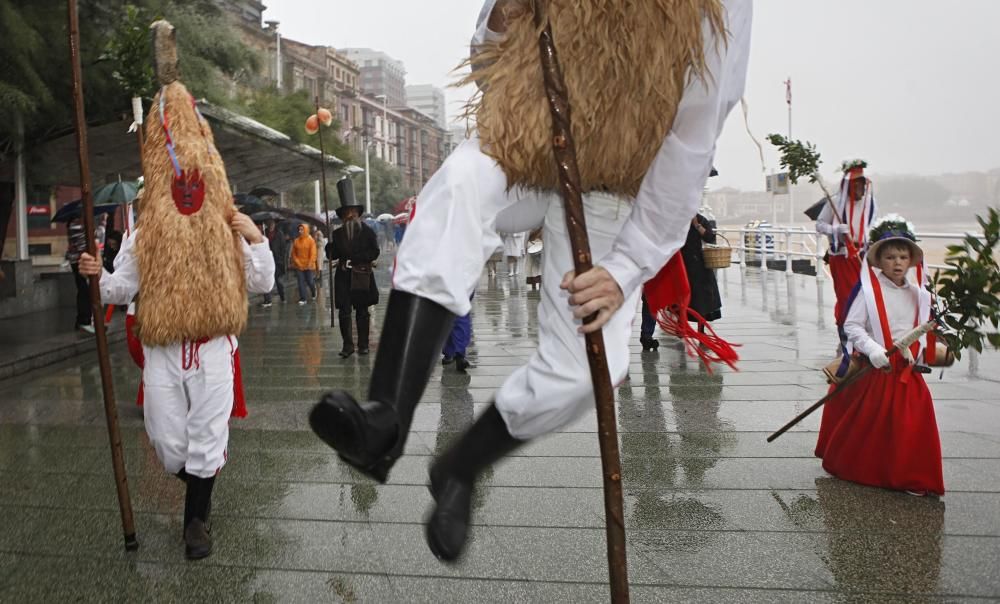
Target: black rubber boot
[
  {"x": 345, "y": 333},
  {"x": 364, "y": 326},
  {"x": 197, "y": 504},
  {"x": 370, "y": 435},
  {"x": 453, "y": 475}
]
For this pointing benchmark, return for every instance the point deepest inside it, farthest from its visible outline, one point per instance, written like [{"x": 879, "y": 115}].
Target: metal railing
[{"x": 753, "y": 247}]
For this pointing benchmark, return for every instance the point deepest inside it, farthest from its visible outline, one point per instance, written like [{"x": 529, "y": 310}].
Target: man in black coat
[
  {"x": 354, "y": 247},
  {"x": 278, "y": 243}
]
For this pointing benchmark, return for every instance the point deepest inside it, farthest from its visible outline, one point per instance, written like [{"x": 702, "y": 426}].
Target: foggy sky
[{"x": 913, "y": 86}]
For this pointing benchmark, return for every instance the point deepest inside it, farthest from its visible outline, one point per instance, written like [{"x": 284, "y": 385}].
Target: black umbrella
[
  {"x": 264, "y": 192},
  {"x": 247, "y": 199},
  {"x": 265, "y": 216},
  {"x": 303, "y": 217},
  {"x": 73, "y": 210},
  {"x": 814, "y": 210}
]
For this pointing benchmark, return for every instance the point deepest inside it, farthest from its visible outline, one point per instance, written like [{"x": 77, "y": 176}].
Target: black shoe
[
  {"x": 370, "y": 435},
  {"x": 453, "y": 475},
  {"x": 461, "y": 363},
  {"x": 649, "y": 343},
  {"x": 346, "y": 336},
  {"x": 447, "y": 360},
  {"x": 363, "y": 327},
  {"x": 197, "y": 540},
  {"x": 197, "y": 507}
]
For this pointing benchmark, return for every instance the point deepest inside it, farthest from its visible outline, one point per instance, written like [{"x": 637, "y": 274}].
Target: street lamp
[
  {"x": 277, "y": 52},
  {"x": 385, "y": 123}
]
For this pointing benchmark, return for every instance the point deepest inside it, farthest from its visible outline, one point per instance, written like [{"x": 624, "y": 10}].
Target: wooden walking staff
[
  {"x": 110, "y": 410},
  {"x": 569, "y": 178},
  {"x": 904, "y": 342}
]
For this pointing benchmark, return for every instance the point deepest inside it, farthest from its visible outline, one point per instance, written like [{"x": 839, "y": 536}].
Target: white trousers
[
  {"x": 468, "y": 199},
  {"x": 188, "y": 390}
]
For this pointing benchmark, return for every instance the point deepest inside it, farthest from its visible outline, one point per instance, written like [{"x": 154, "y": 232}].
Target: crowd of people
[{"x": 641, "y": 209}]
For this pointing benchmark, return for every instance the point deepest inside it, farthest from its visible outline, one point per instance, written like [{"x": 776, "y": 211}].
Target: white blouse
[{"x": 900, "y": 306}]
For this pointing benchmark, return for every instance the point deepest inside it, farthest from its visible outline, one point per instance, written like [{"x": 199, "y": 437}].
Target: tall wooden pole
[
  {"x": 110, "y": 410},
  {"x": 569, "y": 177},
  {"x": 326, "y": 208}
]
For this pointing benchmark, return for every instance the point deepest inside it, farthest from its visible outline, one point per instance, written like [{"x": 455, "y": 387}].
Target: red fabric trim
[
  {"x": 883, "y": 317},
  {"x": 845, "y": 271},
  {"x": 668, "y": 295},
  {"x": 239, "y": 399},
  {"x": 134, "y": 345}
]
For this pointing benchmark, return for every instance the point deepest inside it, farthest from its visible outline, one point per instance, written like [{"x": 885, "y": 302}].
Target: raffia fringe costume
[
  {"x": 625, "y": 65},
  {"x": 193, "y": 273},
  {"x": 193, "y": 263},
  {"x": 629, "y": 68}
]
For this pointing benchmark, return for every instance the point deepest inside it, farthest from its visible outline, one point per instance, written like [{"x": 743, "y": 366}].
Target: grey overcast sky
[{"x": 913, "y": 86}]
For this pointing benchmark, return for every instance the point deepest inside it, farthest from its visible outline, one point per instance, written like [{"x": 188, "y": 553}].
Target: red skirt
[
  {"x": 845, "y": 272},
  {"x": 881, "y": 431}
]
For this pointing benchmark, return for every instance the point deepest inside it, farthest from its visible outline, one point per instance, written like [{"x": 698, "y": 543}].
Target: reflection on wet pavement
[{"x": 713, "y": 512}]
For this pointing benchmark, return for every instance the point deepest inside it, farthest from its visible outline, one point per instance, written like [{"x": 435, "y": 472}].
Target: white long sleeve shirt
[
  {"x": 121, "y": 286},
  {"x": 901, "y": 305},
  {"x": 671, "y": 190}
]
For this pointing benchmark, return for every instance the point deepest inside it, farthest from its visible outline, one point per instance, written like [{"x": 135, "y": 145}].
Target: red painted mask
[{"x": 188, "y": 192}]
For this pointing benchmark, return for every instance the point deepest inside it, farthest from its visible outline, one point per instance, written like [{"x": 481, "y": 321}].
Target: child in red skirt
[{"x": 881, "y": 430}]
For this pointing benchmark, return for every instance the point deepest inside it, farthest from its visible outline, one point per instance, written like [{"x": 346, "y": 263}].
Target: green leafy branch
[
  {"x": 969, "y": 289},
  {"x": 800, "y": 159},
  {"x": 128, "y": 52}
]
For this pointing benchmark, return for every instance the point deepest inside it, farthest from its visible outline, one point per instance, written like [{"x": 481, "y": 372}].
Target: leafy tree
[
  {"x": 287, "y": 114},
  {"x": 23, "y": 90},
  {"x": 213, "y": 58},
  {"x": 35, "y": 71},
  {"x": 386, "y": 184},
  {"x": 970, "y": 288},
  {"x": 128, "y": 52}
]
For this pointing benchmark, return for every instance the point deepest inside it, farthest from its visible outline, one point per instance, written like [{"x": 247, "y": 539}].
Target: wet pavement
[{"x": 713, "y": 512}]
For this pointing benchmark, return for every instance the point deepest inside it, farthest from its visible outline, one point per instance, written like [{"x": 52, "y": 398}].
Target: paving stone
[{"x": 713, "y": 512}]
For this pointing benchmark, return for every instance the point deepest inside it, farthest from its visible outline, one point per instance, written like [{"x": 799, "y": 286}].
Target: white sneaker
[
  {"x": 266, "y": 305},
  {"x": 302, "y": 302},
  {"x": 87, "y": 328}
]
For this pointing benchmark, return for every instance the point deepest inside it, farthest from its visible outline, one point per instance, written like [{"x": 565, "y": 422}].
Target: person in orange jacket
[{"x": 303, "y": 262}]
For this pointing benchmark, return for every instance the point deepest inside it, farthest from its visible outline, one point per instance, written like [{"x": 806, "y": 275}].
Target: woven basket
[{"x": 718, "y": 256}]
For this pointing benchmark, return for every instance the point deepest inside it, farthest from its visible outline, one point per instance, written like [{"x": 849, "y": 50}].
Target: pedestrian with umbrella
[{"x": 278, "y": 243}]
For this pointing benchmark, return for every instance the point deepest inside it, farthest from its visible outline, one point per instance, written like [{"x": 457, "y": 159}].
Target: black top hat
[{"x": 345, "y": 190}]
